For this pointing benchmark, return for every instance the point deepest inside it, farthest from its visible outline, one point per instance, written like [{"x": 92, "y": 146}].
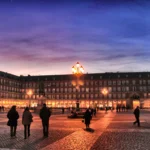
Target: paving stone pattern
[{"x": 109, "y": 131}]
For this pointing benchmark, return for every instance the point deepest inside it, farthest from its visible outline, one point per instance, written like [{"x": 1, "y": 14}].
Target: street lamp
[
  {"x": 29, "y": 93},
  {"x": 77, "y": 70},
  {"x": 105, "y": 92}
]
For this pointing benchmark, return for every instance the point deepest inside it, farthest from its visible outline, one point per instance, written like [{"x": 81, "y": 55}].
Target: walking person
[
  {"x": 45, "y": 115},
  {"x": 87, "y": 117},
  {"x": 137, "y": 116},
  {"x": 26, "y": 121},
  {"x": 13, "y": 116}
]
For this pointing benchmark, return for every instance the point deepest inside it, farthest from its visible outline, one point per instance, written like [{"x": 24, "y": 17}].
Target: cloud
[{"x": 56, "y": 35}]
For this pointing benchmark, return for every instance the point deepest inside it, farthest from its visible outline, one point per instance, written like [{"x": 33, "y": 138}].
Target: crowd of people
[
  {"x": 122, "y": 108},
  {"x": 45, "y": 114},
  {"x": 27, "y": 119}
]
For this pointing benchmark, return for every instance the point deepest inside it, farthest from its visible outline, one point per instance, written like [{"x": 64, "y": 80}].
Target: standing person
[
  {"x": 45, "y": 115},
  {"x": 26, "y": 121},
  {"x": 87, "y": 117},
  {"x": 63, "y": 110},
  {"x": 94, "y": 111},
  {"x": 13, "y": 116},
  {"x": 137, "y": 116}
]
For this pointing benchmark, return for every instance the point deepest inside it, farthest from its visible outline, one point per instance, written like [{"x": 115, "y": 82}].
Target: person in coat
[
  {"x": 45, "y": 115},
  {"x": 13, "y": 116},
  {"x": 87, "y": 117},
  {"x": 137, "y": 116},
  {"x": 26, "y": 121}
]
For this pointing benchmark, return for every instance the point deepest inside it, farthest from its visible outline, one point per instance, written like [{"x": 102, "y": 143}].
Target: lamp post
[
  {"x": 105, "y": 92},
  {"x": 77, "y": 70},
  {"x": 29, "y": 93}
]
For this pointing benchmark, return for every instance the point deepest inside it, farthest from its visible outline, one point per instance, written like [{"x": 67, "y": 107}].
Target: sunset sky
[{"x": 47, "y": 37}]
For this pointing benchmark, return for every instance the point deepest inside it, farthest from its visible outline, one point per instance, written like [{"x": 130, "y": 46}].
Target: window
[
  {"x": 96, "y": 89},
  {"x": 145, "y": 95},
  {"x": 65, "y": 90},
  {"x": 87, "y": 83},
  {"x": 74, "y": 89},
  {"x": 100, "y": 83},
  {"x": 127, "y": 81},
  {"x": 109, "y": 82},
  {"x": 109, "y": 96},
  {"x": 144, "y": 81},
  {"x": 127, "y": 88},
  {"x": 123, "y": 95},
  {"x": 91, "y": 96},
  {"x": 133, "y": 88},
  {"x": 114, "y": 82},
  {"x": 57, "y": 89},
  {"x": 105, "y": 83},
  {"x": 144, "y": 88},
  {"x": 91, "y": 89},
  {"x": 119, "y": 96},
  {"x": 140, "y": 81},
  {"x": 82, "y": 96},
  {"x": 53, "y": 90},
  {"x": 114, "y": 95},
  {"x": 87, "y": 89},
  {"x": 96, "y": 95},
  {"x": 119, "y": 82},
  {"x": 141, "y": 88},
  {"x": 87, "y": 95},
  {"x": 118, "y": 89},
  {"x": 123, "y": 89},
  {"x": 70, "y": 96},
  {"x": 114, "y": 89},
  {"x": 66, "y": 83},
  {"x": 109, "y": 89},
  {"x": 82, "y": 89},
  {"x": 96, "y": 82},
  {"x": 91, "y": 82},
  {"x": 133, "y": 82},
  {"x": 70, "y": 90}
]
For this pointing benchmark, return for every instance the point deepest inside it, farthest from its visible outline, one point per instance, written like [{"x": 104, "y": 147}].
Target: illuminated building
[{"x": 126, "y": 88}]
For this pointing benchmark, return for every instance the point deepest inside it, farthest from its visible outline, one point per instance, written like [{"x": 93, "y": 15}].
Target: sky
[{"x": 48, "y": 37}]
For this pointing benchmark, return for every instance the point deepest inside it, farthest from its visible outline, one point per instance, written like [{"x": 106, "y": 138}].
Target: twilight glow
[{"x": 41, "y": 37}]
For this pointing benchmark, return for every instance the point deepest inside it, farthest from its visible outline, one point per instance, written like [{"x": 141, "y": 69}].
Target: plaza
[{"x": 111, "y": 131}]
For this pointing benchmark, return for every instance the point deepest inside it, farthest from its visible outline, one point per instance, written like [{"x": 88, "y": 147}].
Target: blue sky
[{"x": 42, "y": 37}]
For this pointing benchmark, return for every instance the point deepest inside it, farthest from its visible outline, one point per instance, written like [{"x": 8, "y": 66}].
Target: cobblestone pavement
[
  {"x": 109, "y": 131},
  {"x": 60, "y": 127},
  {"x": 121, "y": 134}
]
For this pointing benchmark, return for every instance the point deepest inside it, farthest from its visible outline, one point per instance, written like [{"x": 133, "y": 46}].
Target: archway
[{"x": 135, "y": 99}]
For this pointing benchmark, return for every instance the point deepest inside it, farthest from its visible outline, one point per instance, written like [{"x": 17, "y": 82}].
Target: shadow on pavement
[{"x": 89, "y": 130}]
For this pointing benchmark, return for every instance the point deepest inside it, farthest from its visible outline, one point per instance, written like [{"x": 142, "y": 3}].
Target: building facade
[{"x": 124, "y": 88}]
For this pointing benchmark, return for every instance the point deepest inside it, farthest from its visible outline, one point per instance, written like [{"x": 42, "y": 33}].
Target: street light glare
[
  {"x": 29, "y": 92},
  {"x": 104, "y": 91},
  {"x": 78, "y": 64}
]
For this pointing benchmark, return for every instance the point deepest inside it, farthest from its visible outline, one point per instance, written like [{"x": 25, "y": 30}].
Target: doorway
[{"x": 136, "y": 103}]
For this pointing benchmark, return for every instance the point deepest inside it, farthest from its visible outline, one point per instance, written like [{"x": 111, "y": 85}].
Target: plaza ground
[{"x": 111, "y": 131}]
